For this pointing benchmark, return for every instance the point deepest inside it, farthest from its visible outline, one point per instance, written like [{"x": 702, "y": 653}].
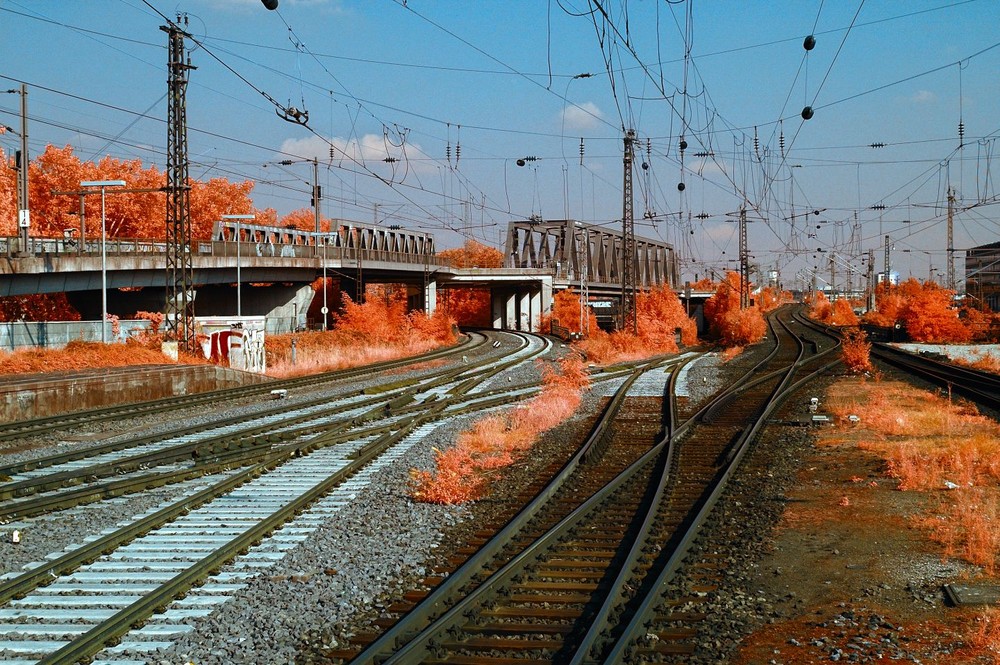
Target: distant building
[{"x": 982, "y": 274}]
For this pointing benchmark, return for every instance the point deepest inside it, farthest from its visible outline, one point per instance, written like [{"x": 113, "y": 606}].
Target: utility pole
[
  {"x": 951, "y": 238},
  {"x": 888, "y": 264},
  {"x": 583, "y": 261},
  {"x": 744, "y": 261},
  {"x": 628, "y": 318},
  {"x": 180, "y": 271},
  {"x": 833, "y": 278},
  {"x": 871, "y": 280},
  {"x": 23, "y": 210},
  {"x": 317, "y": 193}
]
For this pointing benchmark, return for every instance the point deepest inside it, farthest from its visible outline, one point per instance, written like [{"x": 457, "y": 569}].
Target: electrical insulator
[
  {"x": 683, "y": 144},
  {"x": 756, "y": 144},
  {"x": 680, "y": 186},
  {"x": 331, "y": 153},
  {"x": 447, "y": 153},
  {"x": 390, "y": 160},
  {"x": 458, "y": 153},
  {"x": 807, "y": 113},
  {"x": 961, "y": 132},
  {"x": 581, "y": 151},
  {"x": 781, "y": 143},
  {"x": 877, "y": 144},
  {"x": 809, "y": 43}
]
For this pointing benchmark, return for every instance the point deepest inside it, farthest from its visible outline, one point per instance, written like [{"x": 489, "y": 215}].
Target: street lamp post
[
  {"x": 325, "y": 310},
  {"x": 103, "y": 184},
  {"x": 239, "y": 283}
]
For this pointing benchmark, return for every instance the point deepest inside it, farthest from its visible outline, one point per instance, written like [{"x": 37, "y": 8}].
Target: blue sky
[{"x": 456, "y": 91}]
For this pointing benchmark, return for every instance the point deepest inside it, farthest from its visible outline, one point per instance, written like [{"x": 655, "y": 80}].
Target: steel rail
[
  {"x": 300, "y": 414},
  {"x": 103, "y": 633},
  {"x": 618, "y": 650},
  {"x": 207, "y": 464},
  {"x": 35, "y": 426},
  {"x": 440, "y": 604}
]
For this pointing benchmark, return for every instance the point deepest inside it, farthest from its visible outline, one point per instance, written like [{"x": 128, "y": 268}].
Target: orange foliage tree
[
  {"x": 566, "y": 312},
  {"x": 127, "y": 215},
  {"x": 925, "y": 310},
  {"x": 470, "y": 307},
  {"x": 727, "y": 322},
  {"x": 38, "y": 307}
]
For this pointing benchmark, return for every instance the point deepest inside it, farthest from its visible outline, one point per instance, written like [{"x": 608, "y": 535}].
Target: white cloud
[
  {"x": 371, "y": 150},
  {"x": 924, "y": 97},
  {"x": 582, "y": 116}
]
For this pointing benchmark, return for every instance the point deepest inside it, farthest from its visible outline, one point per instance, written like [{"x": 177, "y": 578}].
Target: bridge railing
[{"x": 67, "y": 247}]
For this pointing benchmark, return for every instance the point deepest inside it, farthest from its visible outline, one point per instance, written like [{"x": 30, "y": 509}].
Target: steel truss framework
[
  {"x": 573, "y": 250},
  {"x": 180, "y": 271}
]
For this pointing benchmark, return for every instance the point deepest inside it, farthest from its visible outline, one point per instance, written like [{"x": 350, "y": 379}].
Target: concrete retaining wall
[
  {"x": 49, "y": 394},
  {"x": 57, "y": 334}
]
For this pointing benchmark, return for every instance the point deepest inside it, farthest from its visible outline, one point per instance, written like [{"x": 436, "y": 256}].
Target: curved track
[
  {"x": 565, "y": 594},
  {"x": 82, "y": 599}
]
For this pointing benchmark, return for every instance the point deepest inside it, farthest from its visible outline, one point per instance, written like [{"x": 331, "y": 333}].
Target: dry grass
[
  {"x": 317, "y": 352},
  {"x": 730, "y": 352},
  {"x": 933, "y": 444},
  {"x": 83, "y": 355},
  {"x": 498, "y": 440},
  {"x": 986, "y": 362},
  {"x": 983, "y": 638}
]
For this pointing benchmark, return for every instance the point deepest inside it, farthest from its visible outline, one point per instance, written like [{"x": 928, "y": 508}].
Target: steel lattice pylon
[
  {"x": 180, "y": 272},
  {"x": 628, "y": 319}
]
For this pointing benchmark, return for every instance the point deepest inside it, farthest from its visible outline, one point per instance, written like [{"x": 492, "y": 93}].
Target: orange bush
[
  {"x": 728, "y": 323},
  {"x": 496, "y": 441},
  {"x": 855, "y": 351},
  {"x": 659, "y": 314},
  {"x": 380, "y": 329}
]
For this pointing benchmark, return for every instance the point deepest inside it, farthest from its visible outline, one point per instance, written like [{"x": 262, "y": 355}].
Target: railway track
[
  {"x": 980, "y": 387},
  {"x": 132, "y": 464},
  {"x": 76, "y": 602},
  {"x": 91, "y": 417},
  {"x": 559, "y": 583}
]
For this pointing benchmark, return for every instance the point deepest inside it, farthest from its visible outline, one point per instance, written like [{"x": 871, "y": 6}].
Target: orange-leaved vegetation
[
  {"x": 378, "y": 329},
  {"x": 462, "y": 472},
  {"x": 79, "y": 356},
  {"x": 729, "y": 324},
  {"x": 469, "y": 307},
  {"x": 659, "y": 315},
  {"x": 127, "y": 215},
  {"x": 925, "y": 310},
  {"x": 983, "y": 637},
  {"x": 932, "y": 443},
  {"x": 983, "y": 361},
  {"x": 568, "y": 312},
  {"x": 38, "y": 307},
  {"x": 838, "y": 313},
  {"x": 855, "y": 351}
]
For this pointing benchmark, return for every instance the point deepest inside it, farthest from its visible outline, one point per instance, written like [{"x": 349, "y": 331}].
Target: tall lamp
[
  {"x": 103, "y": 184},
  {"x": 239, "y": 283}
]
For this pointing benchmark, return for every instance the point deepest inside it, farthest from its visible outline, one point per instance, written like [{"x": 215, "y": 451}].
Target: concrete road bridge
[{"x": 276, "y": 267}]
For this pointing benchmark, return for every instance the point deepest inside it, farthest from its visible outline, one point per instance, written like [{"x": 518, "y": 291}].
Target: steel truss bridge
[
  {"x": 592, "y": 255},
  {"x": 540, "y": 257}
]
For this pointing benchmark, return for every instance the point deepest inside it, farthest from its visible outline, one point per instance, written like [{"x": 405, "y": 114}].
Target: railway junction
[{"x": 688, "y": 513}]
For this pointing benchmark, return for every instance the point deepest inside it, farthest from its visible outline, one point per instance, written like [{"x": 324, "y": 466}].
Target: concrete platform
[{"x": 38, "y": 395}]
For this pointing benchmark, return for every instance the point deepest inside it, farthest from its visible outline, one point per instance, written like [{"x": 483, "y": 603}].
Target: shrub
[{"x": 856, "y": 351}]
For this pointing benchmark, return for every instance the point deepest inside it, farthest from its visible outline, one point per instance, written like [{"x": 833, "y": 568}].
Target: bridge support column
[
  {"x": 504, "y": 306},
  {"x": 524, "y": 311},
  {"x": 430, "y": 298}
]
